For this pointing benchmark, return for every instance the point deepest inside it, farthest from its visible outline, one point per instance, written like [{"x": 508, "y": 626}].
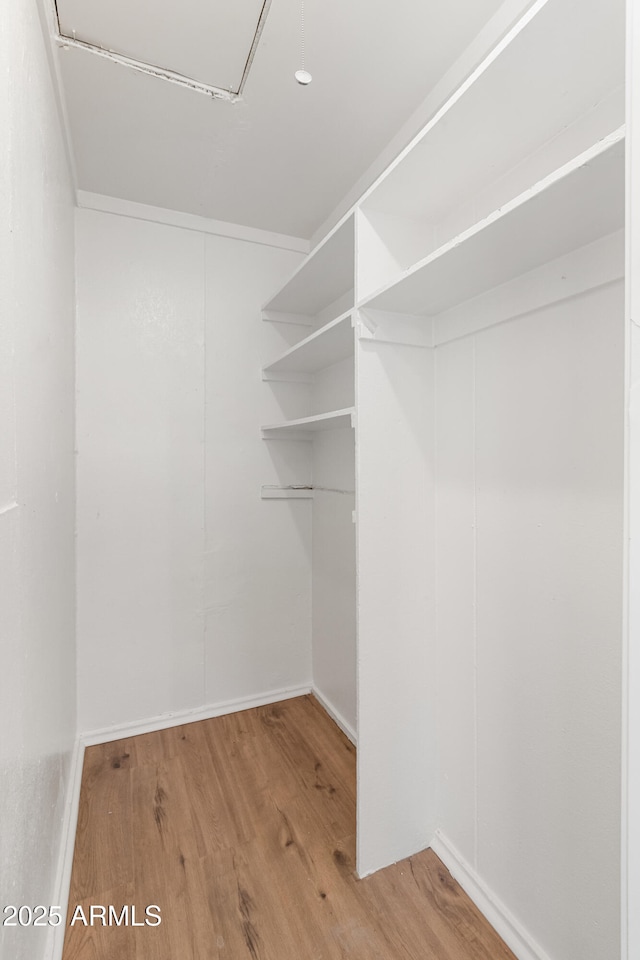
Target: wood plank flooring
[{"x": 242, "y": 830}]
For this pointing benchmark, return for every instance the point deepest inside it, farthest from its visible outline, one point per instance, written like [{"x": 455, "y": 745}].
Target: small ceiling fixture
[{"x": 302, "y": 76}]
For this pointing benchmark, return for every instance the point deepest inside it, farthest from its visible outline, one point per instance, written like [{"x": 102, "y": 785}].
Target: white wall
[
  {"x": 191, "y": 590},
  {"x": 529, "y": 444},
  {"x": 37, "y": 647}
]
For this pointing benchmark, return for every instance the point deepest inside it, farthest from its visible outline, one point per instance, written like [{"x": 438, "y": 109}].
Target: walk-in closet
[{"x": 333, "y": 512}]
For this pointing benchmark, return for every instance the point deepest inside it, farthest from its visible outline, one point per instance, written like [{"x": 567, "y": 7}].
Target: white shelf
[
  {"x": 328, "y": 345},
  {"x": 324, "y": 276},
  {"x": 272, "y": 492},
  {"x": 305, "y": 426},
  {"x": 577, "y": 204},
  {"x": 550, "y": 69}
]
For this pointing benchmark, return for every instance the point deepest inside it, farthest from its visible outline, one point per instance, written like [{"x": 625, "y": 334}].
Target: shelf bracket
[
  {"x": 366, "y": 324},
  {"x": 403, "y": 329}
]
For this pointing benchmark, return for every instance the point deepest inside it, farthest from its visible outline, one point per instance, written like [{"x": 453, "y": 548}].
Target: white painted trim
[
  {"x": 517, "y": 938},
  {"x": 166, "y": 720},
  {"x": 67, "y": 845},
  {"x": 189, "y": 221},
  {"x": 141, "y": 66},
  {"x": 335, "y": 715}
]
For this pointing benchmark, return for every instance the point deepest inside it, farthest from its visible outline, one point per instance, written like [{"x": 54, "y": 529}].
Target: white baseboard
[
  {"x": 326, "y": 705},
  {"x": 67, "y": 844},
  {"x": 501, "y": 919},
  {"x": 166, "y": 720}
]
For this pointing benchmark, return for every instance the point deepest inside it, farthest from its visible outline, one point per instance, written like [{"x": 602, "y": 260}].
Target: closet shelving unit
[
  {"x": 517, "y": 178},
  {"x": 522, "y": 124},
  {"x": 318, "y": 295},
  {"x": 315, "y": 378}
]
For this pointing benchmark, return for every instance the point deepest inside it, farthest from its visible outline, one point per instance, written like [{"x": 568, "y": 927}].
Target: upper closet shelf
[
  {"x": 577, "y": 204},
  {"x": 549, "y": 70},
  {"x": 326, "y": 346},
  {"x": 322, "y": 278},
  {"x": 303, "y": 428}
]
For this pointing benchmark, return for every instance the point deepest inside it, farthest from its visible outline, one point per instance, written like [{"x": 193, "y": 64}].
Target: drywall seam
[
  {"x": 65, "y": 861},
  {"x": 174, "y": 719},
  {"x": 335, "y": 715},
  {"x": 189, "y": 221},
  {"x": 502, "y": 920}
]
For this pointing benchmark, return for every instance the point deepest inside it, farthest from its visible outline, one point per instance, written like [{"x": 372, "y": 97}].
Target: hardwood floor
[{"x": 242, "y": 830}]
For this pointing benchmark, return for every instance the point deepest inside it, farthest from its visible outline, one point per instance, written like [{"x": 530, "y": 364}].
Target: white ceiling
[{"x": 283, "y": 157}]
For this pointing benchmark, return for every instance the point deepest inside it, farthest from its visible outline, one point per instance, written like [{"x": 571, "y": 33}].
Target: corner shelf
[
  {"x": 303, "y": 428},
  {"x": 328, "y": 345},
  {"x": 575, "y": 205},
  {"x": 321, "y": 279}
]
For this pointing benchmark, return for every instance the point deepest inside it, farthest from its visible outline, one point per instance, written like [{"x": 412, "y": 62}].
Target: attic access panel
[{"x": 211, "y": 42}]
